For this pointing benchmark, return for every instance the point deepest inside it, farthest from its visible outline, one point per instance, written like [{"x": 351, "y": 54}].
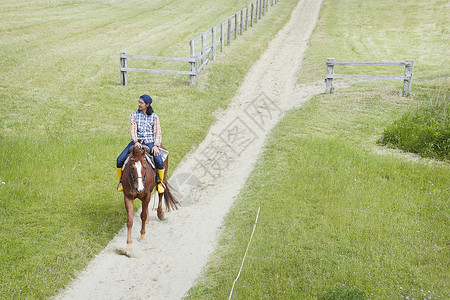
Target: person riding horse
[{"x": 145, "y": 130}]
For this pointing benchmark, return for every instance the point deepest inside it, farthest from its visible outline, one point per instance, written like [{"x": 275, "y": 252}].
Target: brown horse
[{"x": 139, "y": 180}]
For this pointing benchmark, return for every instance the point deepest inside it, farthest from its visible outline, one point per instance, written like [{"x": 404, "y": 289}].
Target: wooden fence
[
  {"x": 407, "y": 78},
  {"x": 219, "y": 34},
  {"x": 193, "y": 62}
]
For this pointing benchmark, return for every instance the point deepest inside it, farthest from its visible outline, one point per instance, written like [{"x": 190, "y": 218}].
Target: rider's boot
[
  {"x": 119, "y": 174},
  {"x": 160, "y": 185}
]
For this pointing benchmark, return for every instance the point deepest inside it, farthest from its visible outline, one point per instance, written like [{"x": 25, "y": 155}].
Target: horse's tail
[{"x": 169, "y": 198}]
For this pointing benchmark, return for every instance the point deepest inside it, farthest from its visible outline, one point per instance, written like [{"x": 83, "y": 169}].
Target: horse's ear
[{"x": 131, "y": 149}]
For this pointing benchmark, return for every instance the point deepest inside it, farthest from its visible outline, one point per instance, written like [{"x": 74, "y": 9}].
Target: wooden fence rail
[
  {"x": 124, "y": 66},
  {"x": 219, "y": 34},
  {"x": 407, "y": 78},
  {"x": 194, "y": 68}
]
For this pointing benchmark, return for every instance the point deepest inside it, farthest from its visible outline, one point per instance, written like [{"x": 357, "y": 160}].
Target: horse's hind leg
[{"x": 160, "y": 211}]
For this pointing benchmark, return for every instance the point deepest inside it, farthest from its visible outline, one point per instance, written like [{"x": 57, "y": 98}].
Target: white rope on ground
[{"x": 245, "y": 255}]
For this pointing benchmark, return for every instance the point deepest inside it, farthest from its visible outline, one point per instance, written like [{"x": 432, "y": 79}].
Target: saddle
[
  {"x": 163, "y": 153},
  {"x": 148, "y": 158}
]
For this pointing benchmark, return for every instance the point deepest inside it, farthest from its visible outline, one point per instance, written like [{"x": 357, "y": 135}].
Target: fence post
[
  {"x": 260, "y": 9},
  {"x": 222, "y": 38},
  {"x": 251, "y": 14},
  {"x": 229, "y": 32},
  {"x": 408, "y": 73},
  {"x": 192, "y": 66},
  {"x": 246, "y": 18},
  {"x": 213, "y": 38},
  {"x": 235, "y": 25},
  {"x": 330, "y": 70},
  {"x": 256, "y": 11},
  {"x": 123, "y": 68},
  {"x": 192, "y": 44},
  {"x": 241, "y": 27},
  {"x": 203, "y": 47}
]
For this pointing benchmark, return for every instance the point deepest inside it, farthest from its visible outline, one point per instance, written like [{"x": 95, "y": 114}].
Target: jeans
[{"x": 123, "y": 156}]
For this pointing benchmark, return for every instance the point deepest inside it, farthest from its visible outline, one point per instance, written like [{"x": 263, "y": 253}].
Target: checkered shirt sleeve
[
  {"x": 157, "y": 131},
  {"x": 133, "y": 128}
]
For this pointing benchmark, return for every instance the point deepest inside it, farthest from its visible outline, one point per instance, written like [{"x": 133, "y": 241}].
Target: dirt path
[{"x": 166, "y": 265}]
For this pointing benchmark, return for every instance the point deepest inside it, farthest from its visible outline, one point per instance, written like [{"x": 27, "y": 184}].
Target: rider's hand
[{"x": 155, "y": 150}]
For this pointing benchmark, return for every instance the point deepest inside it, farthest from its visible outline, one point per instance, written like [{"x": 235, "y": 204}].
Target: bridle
[{"x": 134, "y": 178}]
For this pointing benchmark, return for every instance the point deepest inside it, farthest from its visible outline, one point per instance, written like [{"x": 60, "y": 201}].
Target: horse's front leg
[
  {"x": 144, "y": 215},
  {"x": 160, "y": 211},
  {"x": 148, "y": 217},
  {"x": 129, "y": 208}
]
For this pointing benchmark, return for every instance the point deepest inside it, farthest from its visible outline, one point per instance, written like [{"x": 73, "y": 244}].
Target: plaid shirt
[{"x": 145, "y": 128}]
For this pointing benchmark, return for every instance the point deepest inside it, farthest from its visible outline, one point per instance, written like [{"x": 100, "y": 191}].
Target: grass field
[
  {"x": 64, "y": 119},
  {"x": 341, "y": 216},
  {"x": 338, "y": 212}
]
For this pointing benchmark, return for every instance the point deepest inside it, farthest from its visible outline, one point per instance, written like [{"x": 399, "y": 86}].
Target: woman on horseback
[{"x": 145, "y": 130}]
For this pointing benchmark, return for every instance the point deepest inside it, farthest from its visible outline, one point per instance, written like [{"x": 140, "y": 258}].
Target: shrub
[{"x": 425, "y": 130}]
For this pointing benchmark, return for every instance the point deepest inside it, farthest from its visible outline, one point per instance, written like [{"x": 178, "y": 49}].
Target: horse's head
[{"x": 138, "y": 168}]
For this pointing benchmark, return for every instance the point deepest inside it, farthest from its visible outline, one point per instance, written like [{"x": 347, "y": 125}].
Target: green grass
[
  {"x": 64, "y": 119},
  {"x": 341, "y": 216},
  {"x": 335, "y": 208},
  {"x": 381, "y": 31}
]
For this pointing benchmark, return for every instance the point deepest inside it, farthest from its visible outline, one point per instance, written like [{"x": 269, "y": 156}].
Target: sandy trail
[{"x": 166, "y": 265}]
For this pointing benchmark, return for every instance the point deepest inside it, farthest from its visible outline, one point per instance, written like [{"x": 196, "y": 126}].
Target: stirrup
[
  {"x": 162, "y": 185},
  {"x": 119, "y": 187}
]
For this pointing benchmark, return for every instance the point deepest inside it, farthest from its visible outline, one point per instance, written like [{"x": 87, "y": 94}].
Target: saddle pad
[{"x": 164, "y": 153}]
